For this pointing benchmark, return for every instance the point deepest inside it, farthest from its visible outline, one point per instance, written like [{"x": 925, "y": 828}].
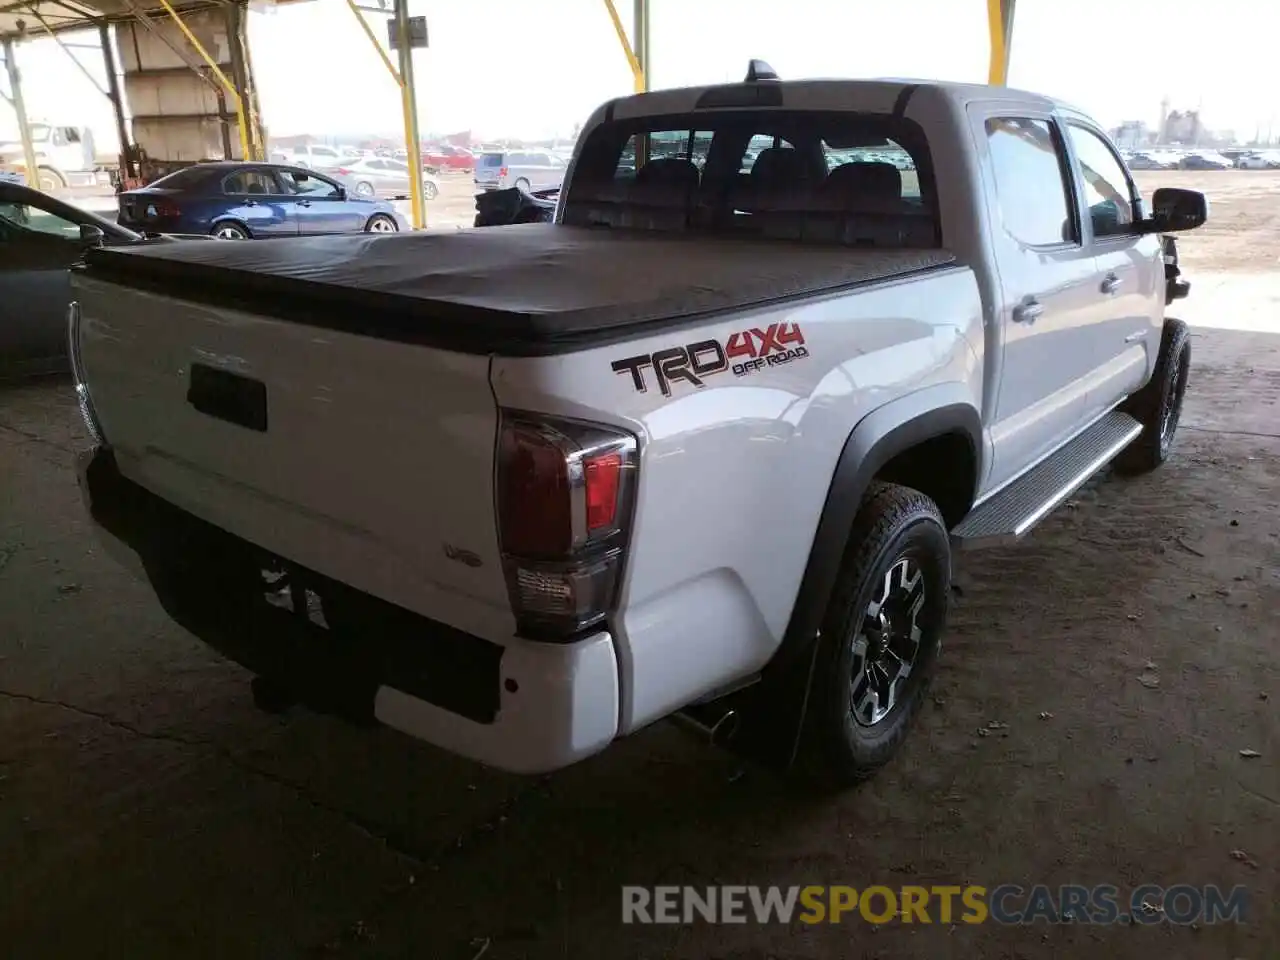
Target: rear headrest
[
  {"x": 880, "y": 180},
  {"x": 668, "y": 172},
  {"x": 778, "y": 168}
]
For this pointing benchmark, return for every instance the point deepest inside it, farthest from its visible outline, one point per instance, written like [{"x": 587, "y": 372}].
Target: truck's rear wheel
[
  {"x": 50, "y": 179},
  {"x": 881, "y": 632},
  {"x": 1158, "y": 405}
]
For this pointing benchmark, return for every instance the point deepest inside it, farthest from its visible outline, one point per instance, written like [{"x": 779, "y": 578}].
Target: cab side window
[
  {"x": 1032, "y": 187},
  {"x": 1108, "y": 193}
]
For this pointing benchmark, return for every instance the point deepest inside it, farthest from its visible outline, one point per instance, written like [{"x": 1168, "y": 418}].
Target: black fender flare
[{"x": 875, "y": 440}]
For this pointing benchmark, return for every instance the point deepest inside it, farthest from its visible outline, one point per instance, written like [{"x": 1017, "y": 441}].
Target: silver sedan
[{"x": 382, "y": 176}]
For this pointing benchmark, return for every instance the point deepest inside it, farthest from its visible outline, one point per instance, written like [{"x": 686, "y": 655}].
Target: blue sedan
[{"x": 243, "y": 201}]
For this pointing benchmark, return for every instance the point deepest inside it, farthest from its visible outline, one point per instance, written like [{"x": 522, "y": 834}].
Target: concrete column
[
  {"x": 117, "y": 102},
  {"x": 20, "y": 108}
]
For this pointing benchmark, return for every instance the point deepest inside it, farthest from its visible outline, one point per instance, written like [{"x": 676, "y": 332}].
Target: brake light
[
  {"x": 566, "y": 492},
  {"x": 603, "y": 474},
  {"x": 164, "y": 209},
  {"x": 343, "y": 172},
  {"x": 502, "y": 171}
]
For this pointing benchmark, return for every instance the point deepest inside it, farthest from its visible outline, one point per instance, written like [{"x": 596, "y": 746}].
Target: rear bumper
[{"x": 521, "y": 706}]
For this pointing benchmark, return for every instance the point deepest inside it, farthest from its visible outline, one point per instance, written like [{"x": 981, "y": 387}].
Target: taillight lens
[
  {"x": 162, "y": 209},
  {"x": 502, "y": 171},
  {"x": 566, "y": 493}
]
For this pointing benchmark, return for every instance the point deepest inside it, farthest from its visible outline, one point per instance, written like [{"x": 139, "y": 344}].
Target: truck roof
[{"x": 875, "y": 95}]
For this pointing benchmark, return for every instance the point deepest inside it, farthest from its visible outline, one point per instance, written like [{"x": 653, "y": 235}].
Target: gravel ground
[{"x": 1097, "y": 688}]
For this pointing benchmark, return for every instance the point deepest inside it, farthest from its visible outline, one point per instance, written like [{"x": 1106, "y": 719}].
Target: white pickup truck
[{"x": 701, "y": 447}]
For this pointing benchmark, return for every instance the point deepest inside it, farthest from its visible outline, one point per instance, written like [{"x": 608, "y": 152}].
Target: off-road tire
[
  {"x": 894, "y": 522},
  {"x": 1158, "y": 405}
]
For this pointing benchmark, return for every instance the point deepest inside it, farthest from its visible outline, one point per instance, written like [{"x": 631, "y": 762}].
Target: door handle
[
  {"x": 251, "y": 203},
  {"x": 1110, "y": 284},
  {"x": 1028, "y": 312},
  {"x": 304, "y": 203}
]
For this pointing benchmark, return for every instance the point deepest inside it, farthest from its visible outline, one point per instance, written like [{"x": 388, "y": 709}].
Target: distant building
[
  {"x": 1130, "y": 135},
  {"x": 1182, "y": 126}
]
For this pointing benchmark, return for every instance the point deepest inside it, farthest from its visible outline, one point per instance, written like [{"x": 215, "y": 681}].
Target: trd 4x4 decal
[{"x": 752, "y": 350}]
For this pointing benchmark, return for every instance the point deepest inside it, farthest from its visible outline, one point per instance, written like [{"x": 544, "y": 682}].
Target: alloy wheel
[{"x": 887, "y": 643}]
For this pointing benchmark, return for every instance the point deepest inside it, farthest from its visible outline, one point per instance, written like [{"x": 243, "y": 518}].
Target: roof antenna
[{"x": 759, "y": 70}]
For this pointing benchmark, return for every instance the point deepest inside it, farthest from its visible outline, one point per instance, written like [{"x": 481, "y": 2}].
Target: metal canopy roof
[{"x": 33, "y": 19}]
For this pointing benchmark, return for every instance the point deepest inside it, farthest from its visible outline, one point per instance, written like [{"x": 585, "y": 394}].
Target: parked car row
[{"x": 1166, "y": 159}]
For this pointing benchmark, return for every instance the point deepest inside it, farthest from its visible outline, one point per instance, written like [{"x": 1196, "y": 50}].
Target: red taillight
[
  {"x": 565, "y": 496},
  {"x": 343, "y": 172},
  {"x": 502, "y": 171},
  {"x": 535, "y": 496},
  {"x": 165, "y": 209},
  {"x": 602, "y": 476}
]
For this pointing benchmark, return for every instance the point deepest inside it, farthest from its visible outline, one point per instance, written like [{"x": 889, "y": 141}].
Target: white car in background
[
  {"x": 1270, "y": 160},
  {"x": 382, "y": 176}
]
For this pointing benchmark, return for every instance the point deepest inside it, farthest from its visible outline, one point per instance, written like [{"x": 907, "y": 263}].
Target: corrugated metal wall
[{"x": 177, "y": 114}]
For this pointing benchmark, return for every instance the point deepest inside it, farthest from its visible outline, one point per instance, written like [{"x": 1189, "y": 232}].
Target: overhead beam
[{"x": 1000, "y": 29}]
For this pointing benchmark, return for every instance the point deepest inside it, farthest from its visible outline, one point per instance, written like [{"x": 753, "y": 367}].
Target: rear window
[
  {"x": 819, "y": 177},
  {"x": 490, "y": 160},
  {"x": 183, "y": 179}
]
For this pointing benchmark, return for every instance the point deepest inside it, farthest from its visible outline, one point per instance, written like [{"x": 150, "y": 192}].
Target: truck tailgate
[{"x": 367, "y": 461}]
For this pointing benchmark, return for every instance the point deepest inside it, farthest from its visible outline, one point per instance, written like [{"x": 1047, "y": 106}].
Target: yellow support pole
[
  {"x": 637, "y": 70},
  {"x": 998, "y": 71},
  {"x": 415, "y": 183},
  {"x": 241, "y": 121},
  {"x": 409, "y": 103}
]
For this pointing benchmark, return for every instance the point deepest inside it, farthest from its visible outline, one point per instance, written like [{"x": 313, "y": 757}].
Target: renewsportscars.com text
[{"x": 1004, "y": 904}]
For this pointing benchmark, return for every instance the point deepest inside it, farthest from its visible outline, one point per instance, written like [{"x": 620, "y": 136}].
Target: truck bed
[{"x": 526, "y": 289}]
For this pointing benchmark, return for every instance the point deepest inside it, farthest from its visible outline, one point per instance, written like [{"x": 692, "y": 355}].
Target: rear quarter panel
[{"x": 735, "y": 471}]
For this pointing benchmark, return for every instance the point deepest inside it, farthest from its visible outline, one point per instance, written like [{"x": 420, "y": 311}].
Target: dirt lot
[{"x": 148, "y": 810}]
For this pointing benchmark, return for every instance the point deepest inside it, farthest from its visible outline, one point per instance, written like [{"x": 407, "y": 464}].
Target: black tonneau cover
[{"x": 524, "y": 289}]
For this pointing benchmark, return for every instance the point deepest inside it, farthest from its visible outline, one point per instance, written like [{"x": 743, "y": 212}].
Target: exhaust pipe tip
[{"x": 717, "y": 733}]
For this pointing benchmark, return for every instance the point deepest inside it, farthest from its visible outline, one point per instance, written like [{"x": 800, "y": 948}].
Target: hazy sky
[{"x": 534, "y": 67}]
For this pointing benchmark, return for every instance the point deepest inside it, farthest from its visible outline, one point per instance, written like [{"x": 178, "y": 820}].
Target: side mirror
[
  {"x": 1174, "y": 209},
  {"x": 91, "y": 236},
  {"x": 342, "y": 192}
]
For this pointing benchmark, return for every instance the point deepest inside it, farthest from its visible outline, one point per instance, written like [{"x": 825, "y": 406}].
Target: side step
[{"x": 1012, "y": 512}]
